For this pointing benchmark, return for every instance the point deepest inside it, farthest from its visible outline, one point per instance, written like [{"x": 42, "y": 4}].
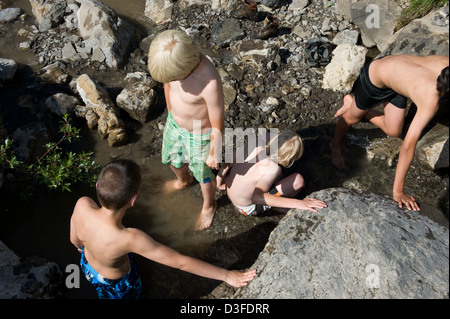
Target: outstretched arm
[
  {"x": 264, "y": 198},
  {"x": 74, "y": 237},
  {"x": 222, "y": 175},
  {"x": 213, "y": 96},
  {"x": 406, "y": 156},
  {"x": 261, "y": 195},
  {"x": 144, "y": 245},
  {"x": 167, "y": 96}
]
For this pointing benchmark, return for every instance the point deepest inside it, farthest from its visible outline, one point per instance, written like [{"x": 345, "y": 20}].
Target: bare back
[
  {"x": 411, "y": 76},
  {"x": 245, "y": 177},
  {"x": 104, "y": 241},
  {"x": 194, "y": 97}
]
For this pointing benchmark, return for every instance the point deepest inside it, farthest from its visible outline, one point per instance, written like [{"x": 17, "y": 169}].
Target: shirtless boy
[
  {"x": 392, "y": 80},
  {"x": 256, "y": 185},
  {"x": 195, "y": 122},
  {"x": 106, "y": 245}
]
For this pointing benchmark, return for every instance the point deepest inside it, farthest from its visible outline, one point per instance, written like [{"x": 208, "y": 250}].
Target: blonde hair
[
  {"x": 290, "y": 148},
  {"x": 172, "y": 56}
]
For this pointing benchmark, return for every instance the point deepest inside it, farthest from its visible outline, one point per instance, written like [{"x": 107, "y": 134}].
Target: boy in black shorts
[{"x": 391, "y": 80}]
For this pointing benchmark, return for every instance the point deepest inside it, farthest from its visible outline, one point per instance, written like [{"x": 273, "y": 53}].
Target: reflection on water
[{"x": 169, "y": 217}]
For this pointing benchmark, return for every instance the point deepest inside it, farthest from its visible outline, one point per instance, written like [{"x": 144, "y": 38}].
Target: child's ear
[{"x": 133, "y": 199}]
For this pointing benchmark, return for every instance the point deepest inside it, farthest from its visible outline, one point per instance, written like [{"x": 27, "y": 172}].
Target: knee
[
  {"x": 394, "y": 132},
  {"x": 299, "y": 182},
  {"x": 349, "y": 119}
]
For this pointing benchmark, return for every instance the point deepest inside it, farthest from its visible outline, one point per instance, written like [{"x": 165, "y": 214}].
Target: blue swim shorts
[{"x": 127, "y": 287}]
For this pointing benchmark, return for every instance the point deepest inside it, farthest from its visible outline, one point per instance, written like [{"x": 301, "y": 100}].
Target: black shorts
[{"x": 367, "y": 95}]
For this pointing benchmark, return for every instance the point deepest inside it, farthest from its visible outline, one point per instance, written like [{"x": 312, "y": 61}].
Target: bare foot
[
  {"x": 206, "y": 218},
  {"x": 175, "y": 185},
  {"x": 348, "y": 99},
  {"x": 336, "y": 157}
]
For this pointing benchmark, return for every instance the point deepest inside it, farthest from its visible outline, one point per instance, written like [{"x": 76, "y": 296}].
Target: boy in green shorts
[{"x": 192, "y": 138}]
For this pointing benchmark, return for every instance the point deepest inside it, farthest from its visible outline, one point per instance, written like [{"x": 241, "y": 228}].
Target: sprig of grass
[{"x": 418, "y": 9}]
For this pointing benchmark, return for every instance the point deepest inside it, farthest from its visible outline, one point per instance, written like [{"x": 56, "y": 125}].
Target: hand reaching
[
  {"x": 311, "y": 204},
  {"x": 238, "y": 278},
  {"x": 408, "y": 200},
  {"x": 212, "y": 162}
]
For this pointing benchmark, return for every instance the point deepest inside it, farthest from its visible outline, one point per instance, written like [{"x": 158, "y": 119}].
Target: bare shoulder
[
  {"x": 86, "y": 202},
  {"x": 208, "y": 72},
  {"x": 137, "y": 240},
  {"x": 267, "y": 166}
]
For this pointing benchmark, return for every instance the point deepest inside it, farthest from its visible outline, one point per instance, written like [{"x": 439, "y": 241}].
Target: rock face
[
  {"x": 51, "y": 10},
  {"x": 432, "y": 150},
  {"x": 99, "y": 104},
  {"x": 30, "y": 279},
  {"x": 341, "y": 73},
  {"x": 138, "y": 97},
  {"x": 9, "y": 14},
  {"x": 159, "y": 11},
  {"x": 425, "y": 36},
  {"x": 360, "y": 246},
  {"x": 102, "y": 28}
]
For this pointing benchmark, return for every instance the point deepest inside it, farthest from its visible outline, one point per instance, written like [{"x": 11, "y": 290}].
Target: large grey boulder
[
  {"x": 376, "y": 19},
  {"x": 344, "y": 68},
  {"x": 138, "y": 98},
  {"x": 433, "y": 149},
  {"x": 360, "y": 246},
  {"x": 103, "y": 29},
  {"x": 51, "y": 11},
  {"x": 32, "y": 278},
  {"x": 9, "y": 14},
  {"x": 424, "y": 36},
  {"x": 159, "y": 11}
]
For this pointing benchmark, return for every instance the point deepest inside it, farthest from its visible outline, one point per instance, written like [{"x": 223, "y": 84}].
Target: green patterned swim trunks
[{"x": 181, "y": 147}]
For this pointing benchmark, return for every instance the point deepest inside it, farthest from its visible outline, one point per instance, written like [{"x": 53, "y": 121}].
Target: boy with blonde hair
[
  {"x": 257, "y": 184},
  {"x": 106, "y": 246},
  {"x": 192, "y": 138}
]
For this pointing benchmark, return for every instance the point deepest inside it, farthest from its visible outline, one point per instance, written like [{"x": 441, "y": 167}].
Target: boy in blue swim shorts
[
  {"x": 127, "y": 287},
  {"x": 107, "y": 247}
]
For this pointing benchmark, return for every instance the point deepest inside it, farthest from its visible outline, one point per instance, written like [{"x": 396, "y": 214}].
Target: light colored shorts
[
  {"x": 252, "y": 209},
  {"x": 182, "y": 147}
]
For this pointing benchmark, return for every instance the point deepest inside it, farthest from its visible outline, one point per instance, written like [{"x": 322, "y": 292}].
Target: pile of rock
[{"x": 90, "y": 31}]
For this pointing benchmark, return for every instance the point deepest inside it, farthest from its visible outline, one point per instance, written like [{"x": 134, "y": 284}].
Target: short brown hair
[
  {"x": 117, "y": 183},
  {"x": 443, "y": 84}
]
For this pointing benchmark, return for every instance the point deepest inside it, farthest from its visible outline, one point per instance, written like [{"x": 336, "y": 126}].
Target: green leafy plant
[
  {"x": 56, "y": 168},
  {"x": 7, "y": 156}
]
